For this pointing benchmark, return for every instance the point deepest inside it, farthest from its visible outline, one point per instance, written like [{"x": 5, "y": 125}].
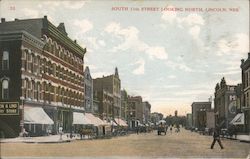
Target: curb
[
  {"x": 245, "y": 141},
  {"x": 39, "y": 142},
  {"x": 47, "y": 142}
]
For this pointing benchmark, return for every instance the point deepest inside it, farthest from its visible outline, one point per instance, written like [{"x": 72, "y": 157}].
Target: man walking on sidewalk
[{"x": 216, "y": 137}]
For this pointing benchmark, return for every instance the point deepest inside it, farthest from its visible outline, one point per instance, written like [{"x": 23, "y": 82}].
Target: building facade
[
  {"x": 146, "y": 112},
  {"x": 124, "y": 104},
  {"x": 112, "y": 85},
  {"x": 42, "y": 70},
  {"x": 88, "y": 98},
  {"x": 198, "y": 113},
  {"x": 135, "y": 109},
  {"x": 245, "y": 69},
  {"x": 96, "y": 104},
  {"x": 210, "y": 119},
  {"x": 189, "y": 121},
  {"x": 224, "y": 103},
  {"x": 106, "y": 106}
]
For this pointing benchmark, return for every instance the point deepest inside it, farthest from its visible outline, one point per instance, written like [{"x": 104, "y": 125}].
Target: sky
[{"x": 171, "y": 53}]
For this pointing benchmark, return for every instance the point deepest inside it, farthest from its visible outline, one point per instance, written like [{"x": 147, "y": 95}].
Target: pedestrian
[
  {"x": 235, "y": 131},
  {"x": 216, "y": 137},
  {"x": 60, "y": 132},
  {"x": 137, "y": 130},
  {"x": 171, "y": 129}
]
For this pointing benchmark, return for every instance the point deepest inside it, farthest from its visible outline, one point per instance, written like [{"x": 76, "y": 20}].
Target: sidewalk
[
  {"x": 40, "y": 139},
  {"x": 241, "y": 138},
  {"x": 244, "y": 138}
]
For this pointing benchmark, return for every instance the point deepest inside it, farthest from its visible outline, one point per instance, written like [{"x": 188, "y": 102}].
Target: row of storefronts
[
  {"x": 44, "y": 86},
  {"x": 38, "y": 123}
]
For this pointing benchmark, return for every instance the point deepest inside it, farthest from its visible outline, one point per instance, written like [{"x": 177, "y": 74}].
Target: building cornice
[
  {"x": 22, "y": 35},
  {"x": 53, "y": 32}
]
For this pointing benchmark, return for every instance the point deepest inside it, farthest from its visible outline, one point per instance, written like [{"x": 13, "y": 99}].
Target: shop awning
[
  {"x": 106, "y": 123},
  {"x": 113, "y": 123},
  {"x": 80, "y": 119},
  {"x": 36, "y": 115},
  {"x": 238, "y": 119},
  {"x": 95, "y": 120},
  {"x": 120, "y": 122}
]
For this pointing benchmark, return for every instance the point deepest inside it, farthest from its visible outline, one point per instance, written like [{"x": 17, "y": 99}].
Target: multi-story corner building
[
  {"x": 245, "y": 67},
  {"x": 124, "y": 104},
  {"x": 112, "y": 85},
  {"x": 135, "y": 109},
  {"x": 41, "y": 70},
  {"x": 224, "y": 103},
  {"x": 198, "y": 113},
  {"x": 146, "y": 112},
  {"x": 88, "y": 82}
]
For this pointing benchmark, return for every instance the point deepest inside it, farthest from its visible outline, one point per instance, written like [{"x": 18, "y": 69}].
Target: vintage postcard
[{"x": 124, "y": 79}]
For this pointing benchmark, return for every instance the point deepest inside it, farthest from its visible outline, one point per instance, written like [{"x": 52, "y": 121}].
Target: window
[
  {"x": 5, "y": 89},
  {"x": 33, "y": 90},
  {"x": 31, "y": 63},
  {"x": 38, "y": 91},
  {"x": 29, "y": 89},
  {"x": 246, "y": 79},
  {"x": 5, "y": 63},
  {"x": 247, "y": 100}
]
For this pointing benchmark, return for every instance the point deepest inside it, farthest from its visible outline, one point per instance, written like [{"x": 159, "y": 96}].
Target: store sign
[{"x": 9, "y": 108}]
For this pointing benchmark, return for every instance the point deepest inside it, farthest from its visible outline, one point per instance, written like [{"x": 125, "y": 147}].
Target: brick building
[
  {"x": 124, "y": 104},
  {"x": 224, "y": 103},
  {"x": 146, "y": 112},
  {"x": 135, "y": 109},
  {"x": 111, "y": 85},
  {"x": 42, "y": 70},
  {"x": 245, "y": 67},
  {"x": 88, "y": 98},
  {"x": 199, "y": 113}
]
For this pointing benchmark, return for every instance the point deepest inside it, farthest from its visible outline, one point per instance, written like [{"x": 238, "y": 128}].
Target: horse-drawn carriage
[{"x": 89, "y": 132}]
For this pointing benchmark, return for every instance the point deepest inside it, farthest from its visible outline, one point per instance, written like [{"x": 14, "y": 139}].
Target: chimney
[
  {"x": 45, "y": 17},
  {"x": 16, "y": 19},
  {"x": 2, "y": 20},
  {"x": 75, "y": 41},
  {"x": 249, "y": 55}
]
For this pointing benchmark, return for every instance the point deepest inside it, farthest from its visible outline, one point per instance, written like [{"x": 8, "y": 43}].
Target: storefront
[
  {"x": 37, "y": 122},
  {"x": 246, "y": 111},
  {"x": 89, "y": 121}
]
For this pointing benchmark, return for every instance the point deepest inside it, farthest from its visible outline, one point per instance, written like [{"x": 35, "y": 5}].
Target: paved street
[{"x": 184, "y": 144}]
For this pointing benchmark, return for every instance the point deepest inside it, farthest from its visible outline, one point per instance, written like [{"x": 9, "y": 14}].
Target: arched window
[
  {"x": 50, "y": 45},
  {"x": 33, "y": 90},
  {"x": 5, "y": 89},
  {"x": 39, "y": 91},
  {"x": 5, "y": 62},
  {"x": 32, "y": 63},
  {"x": 62, "y": 95}
]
